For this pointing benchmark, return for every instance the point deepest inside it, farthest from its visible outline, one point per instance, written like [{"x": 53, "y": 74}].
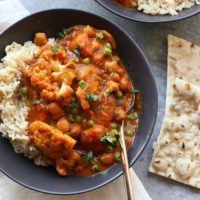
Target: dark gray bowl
[
  {"x": 139, "y": 16},
  {"x": 47, "y": 180}
]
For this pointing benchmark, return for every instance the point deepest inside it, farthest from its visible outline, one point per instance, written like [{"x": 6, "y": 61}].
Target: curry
[
  {"x": 78, "y": 92},
  {"x": 127, "y": 3}
]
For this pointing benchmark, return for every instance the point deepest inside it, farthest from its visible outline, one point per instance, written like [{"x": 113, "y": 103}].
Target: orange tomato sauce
[{"x": 78, "y": 93}]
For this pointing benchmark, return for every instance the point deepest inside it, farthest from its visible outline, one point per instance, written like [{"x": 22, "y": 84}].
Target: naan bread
[
  {"x": 183, "y": 63},
  {"x": 177, "y": 152}
]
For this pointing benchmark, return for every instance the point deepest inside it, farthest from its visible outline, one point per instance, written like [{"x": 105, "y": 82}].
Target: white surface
[
  {"x": 9, "y": 190},
  {"x": 11, "y": 11}
]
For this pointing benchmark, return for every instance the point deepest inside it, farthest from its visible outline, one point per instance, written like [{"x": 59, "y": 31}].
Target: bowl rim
[
  {"x": 159, "y": 18},
  {"x": 154, "y": 116}
]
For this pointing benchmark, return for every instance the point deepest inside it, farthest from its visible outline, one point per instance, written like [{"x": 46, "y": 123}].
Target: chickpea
[
  {"x": 62, "y": 166},
  {"x": 75, "y": 130},
  {"x": 125, "y": 84},
  {"x": 120, "y": 114},
  {"x": 89, "y": 31},
  {"x": 63, "y": 125},
  {"x": 116, "y": 77},
  {"x": 55, "y": 110},
  {"x": 74, "y": 156},
  {"x": 40, "y": 39}
]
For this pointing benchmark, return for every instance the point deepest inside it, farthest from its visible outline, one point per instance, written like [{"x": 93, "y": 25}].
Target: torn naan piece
[
  {"x": 183, "y": 63},
  {"x": 177, "y": 151}
]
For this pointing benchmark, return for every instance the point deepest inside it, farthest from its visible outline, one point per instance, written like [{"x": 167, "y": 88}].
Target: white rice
[
  {"x": 13, "y": 111},
  {"x": 163, "y": 7}
]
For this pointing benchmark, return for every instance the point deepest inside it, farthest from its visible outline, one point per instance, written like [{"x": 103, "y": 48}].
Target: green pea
[
  {"x": 73, "y": 103},
  {"x": 74, "y": 110},
  {"x": 73, "y": 99},
  {"x": 82, "y": 84},
  {"x": 114, "y": 132},
  {"x": 52, "y": 123},
  {"x": 24, "y": 91},
  {"x": 69, "y": 133},
  {"x": 95, "y": 168},
  {"x": 114, "y": 125},
  {"x": 107, "y": 51},
  {"x": 119, "y": 94},
  {"x": 27, "y": 102},
  {"x": 129, "y": 133},
  {"x": 77, "y": 118},
  {"x": 99, "y": 36},
  {"x": 117, "y": 156},
  {"x": 86, "y": 61},
  {"x": 108, "y": 45},
  {"x": 109, "y": 149},
  {"x": 90, "y": 123},
  {"x": 71, "y": 118},
  {"x": 130, "y": 116}
]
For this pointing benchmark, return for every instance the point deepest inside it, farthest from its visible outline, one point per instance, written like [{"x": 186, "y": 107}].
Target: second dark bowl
[
  {"x": 42, "y": 179},
  {"x": 139, "y": 16}
]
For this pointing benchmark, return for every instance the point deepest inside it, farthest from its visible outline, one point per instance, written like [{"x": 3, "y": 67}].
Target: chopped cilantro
[
  {"x": 91, "y": 97},
  {"x": 119, "y": 102},
  {"x": 133, "y": 90},
  {"x": 65, "y": 31},
  {"x": 36, "y": 101},
  {"x": 88, "y": 156},
  {"x": 62, "y": 33},
  {"x": 55, "y": 48},
  {"x": 77, "y": 51},
  {"x": 107, "y": 93},
  {"x": 109, "y": 138}
]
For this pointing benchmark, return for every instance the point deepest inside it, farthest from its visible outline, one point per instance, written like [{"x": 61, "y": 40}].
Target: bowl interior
[
  {"x": 44, "y": 179},
  {"x": 136, "y": 15}
]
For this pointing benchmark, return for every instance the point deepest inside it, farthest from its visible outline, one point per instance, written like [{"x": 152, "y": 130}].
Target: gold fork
[{"x": 124, "y": 157}]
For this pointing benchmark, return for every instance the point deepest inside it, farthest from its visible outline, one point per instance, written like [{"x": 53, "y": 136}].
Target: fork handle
[{"x": 125, "y": 165}]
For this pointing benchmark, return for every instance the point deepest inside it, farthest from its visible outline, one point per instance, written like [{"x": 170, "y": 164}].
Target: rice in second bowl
[
  {"x": 164, "y": 7},
  {"x": 159, "y": 7}
]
